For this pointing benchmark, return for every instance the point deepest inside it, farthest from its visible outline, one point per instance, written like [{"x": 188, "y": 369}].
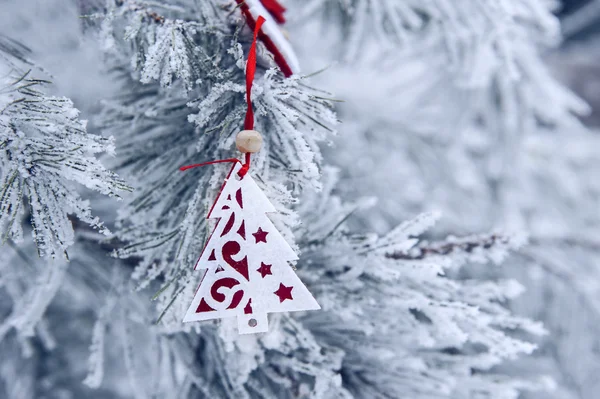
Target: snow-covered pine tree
[
  {"x": 398, "y": 319},
  {"x": 45, "y": 151},
  {"x": 480, "y": 128}
]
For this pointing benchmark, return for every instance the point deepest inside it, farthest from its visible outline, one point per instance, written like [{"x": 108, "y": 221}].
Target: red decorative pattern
[
  {"x": 260, "y": 235},
  {"x": 242, "y": 230},
  {"x": 248, "y": 273},
  {"x": 248, "y": 308},
  {"x": 230, "y": 249},
  {"x": 204, "y": 307},
  {"x": 238, "y": 198},
  {"x": 284, "y": 292},
  {"x": 218, "y": 296},
  {"x": 229, "y": 225},
  {"x": 264, "y": 270}
]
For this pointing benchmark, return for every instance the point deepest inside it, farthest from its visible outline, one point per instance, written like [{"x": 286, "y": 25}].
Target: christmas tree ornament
[
  {"x": 271, "y": 35},
  {"x": 246, "y": 258}
]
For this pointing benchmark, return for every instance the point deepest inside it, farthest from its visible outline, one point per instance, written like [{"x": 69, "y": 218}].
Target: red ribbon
[
  {"x": 275, "y": 9},
  {"x": 249, "y": 120},
  {"x": 269, "y": 44},
  {"x": 250, "y": 70}
]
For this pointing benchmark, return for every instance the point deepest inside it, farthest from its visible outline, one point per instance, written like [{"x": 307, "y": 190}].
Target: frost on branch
[
  {"x": 25, "y": 297},
  {"x": 164, "y": 222},
  {"x": 391, "y": 327},
  {"x": 407, "y": 327},
  {"x": 477, "y": 37},
  {"x": 44, "y": 152},
  {"x": 397, "y": 322},
  {"x": 505, "y": 150},
  {"x": 47, "y": 320}
]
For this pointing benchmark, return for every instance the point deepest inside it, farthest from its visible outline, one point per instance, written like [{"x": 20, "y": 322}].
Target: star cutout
[
  {"x": 284, "y": 292},
  {"x": 264, "y": 270},
  {"x": 260, "y": 235}
]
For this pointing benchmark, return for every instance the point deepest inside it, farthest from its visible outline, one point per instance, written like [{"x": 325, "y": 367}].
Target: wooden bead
[{"x": 248, "y": 141}]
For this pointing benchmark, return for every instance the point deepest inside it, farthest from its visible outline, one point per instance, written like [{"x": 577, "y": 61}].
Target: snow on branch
[
  {"x": 194, "y": 115},
  {"x": 399, "y": 319},
  {"x": 477, "y": 37},
  {"x": 389, "y": 327},
  {"x": 45, "y": 152},
  {"x": 479, "y": 248}
]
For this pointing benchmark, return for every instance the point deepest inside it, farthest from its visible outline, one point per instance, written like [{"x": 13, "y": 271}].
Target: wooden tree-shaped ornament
[{"x": 246, "y": 258}]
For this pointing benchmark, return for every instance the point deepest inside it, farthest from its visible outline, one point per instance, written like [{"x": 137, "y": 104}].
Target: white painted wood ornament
[
  {"x": 248, "y": 274},
  {"x": 246, "y": 260}
]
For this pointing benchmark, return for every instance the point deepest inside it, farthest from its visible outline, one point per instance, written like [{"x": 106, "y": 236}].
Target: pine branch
[{"x": 45, "y": 153}]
